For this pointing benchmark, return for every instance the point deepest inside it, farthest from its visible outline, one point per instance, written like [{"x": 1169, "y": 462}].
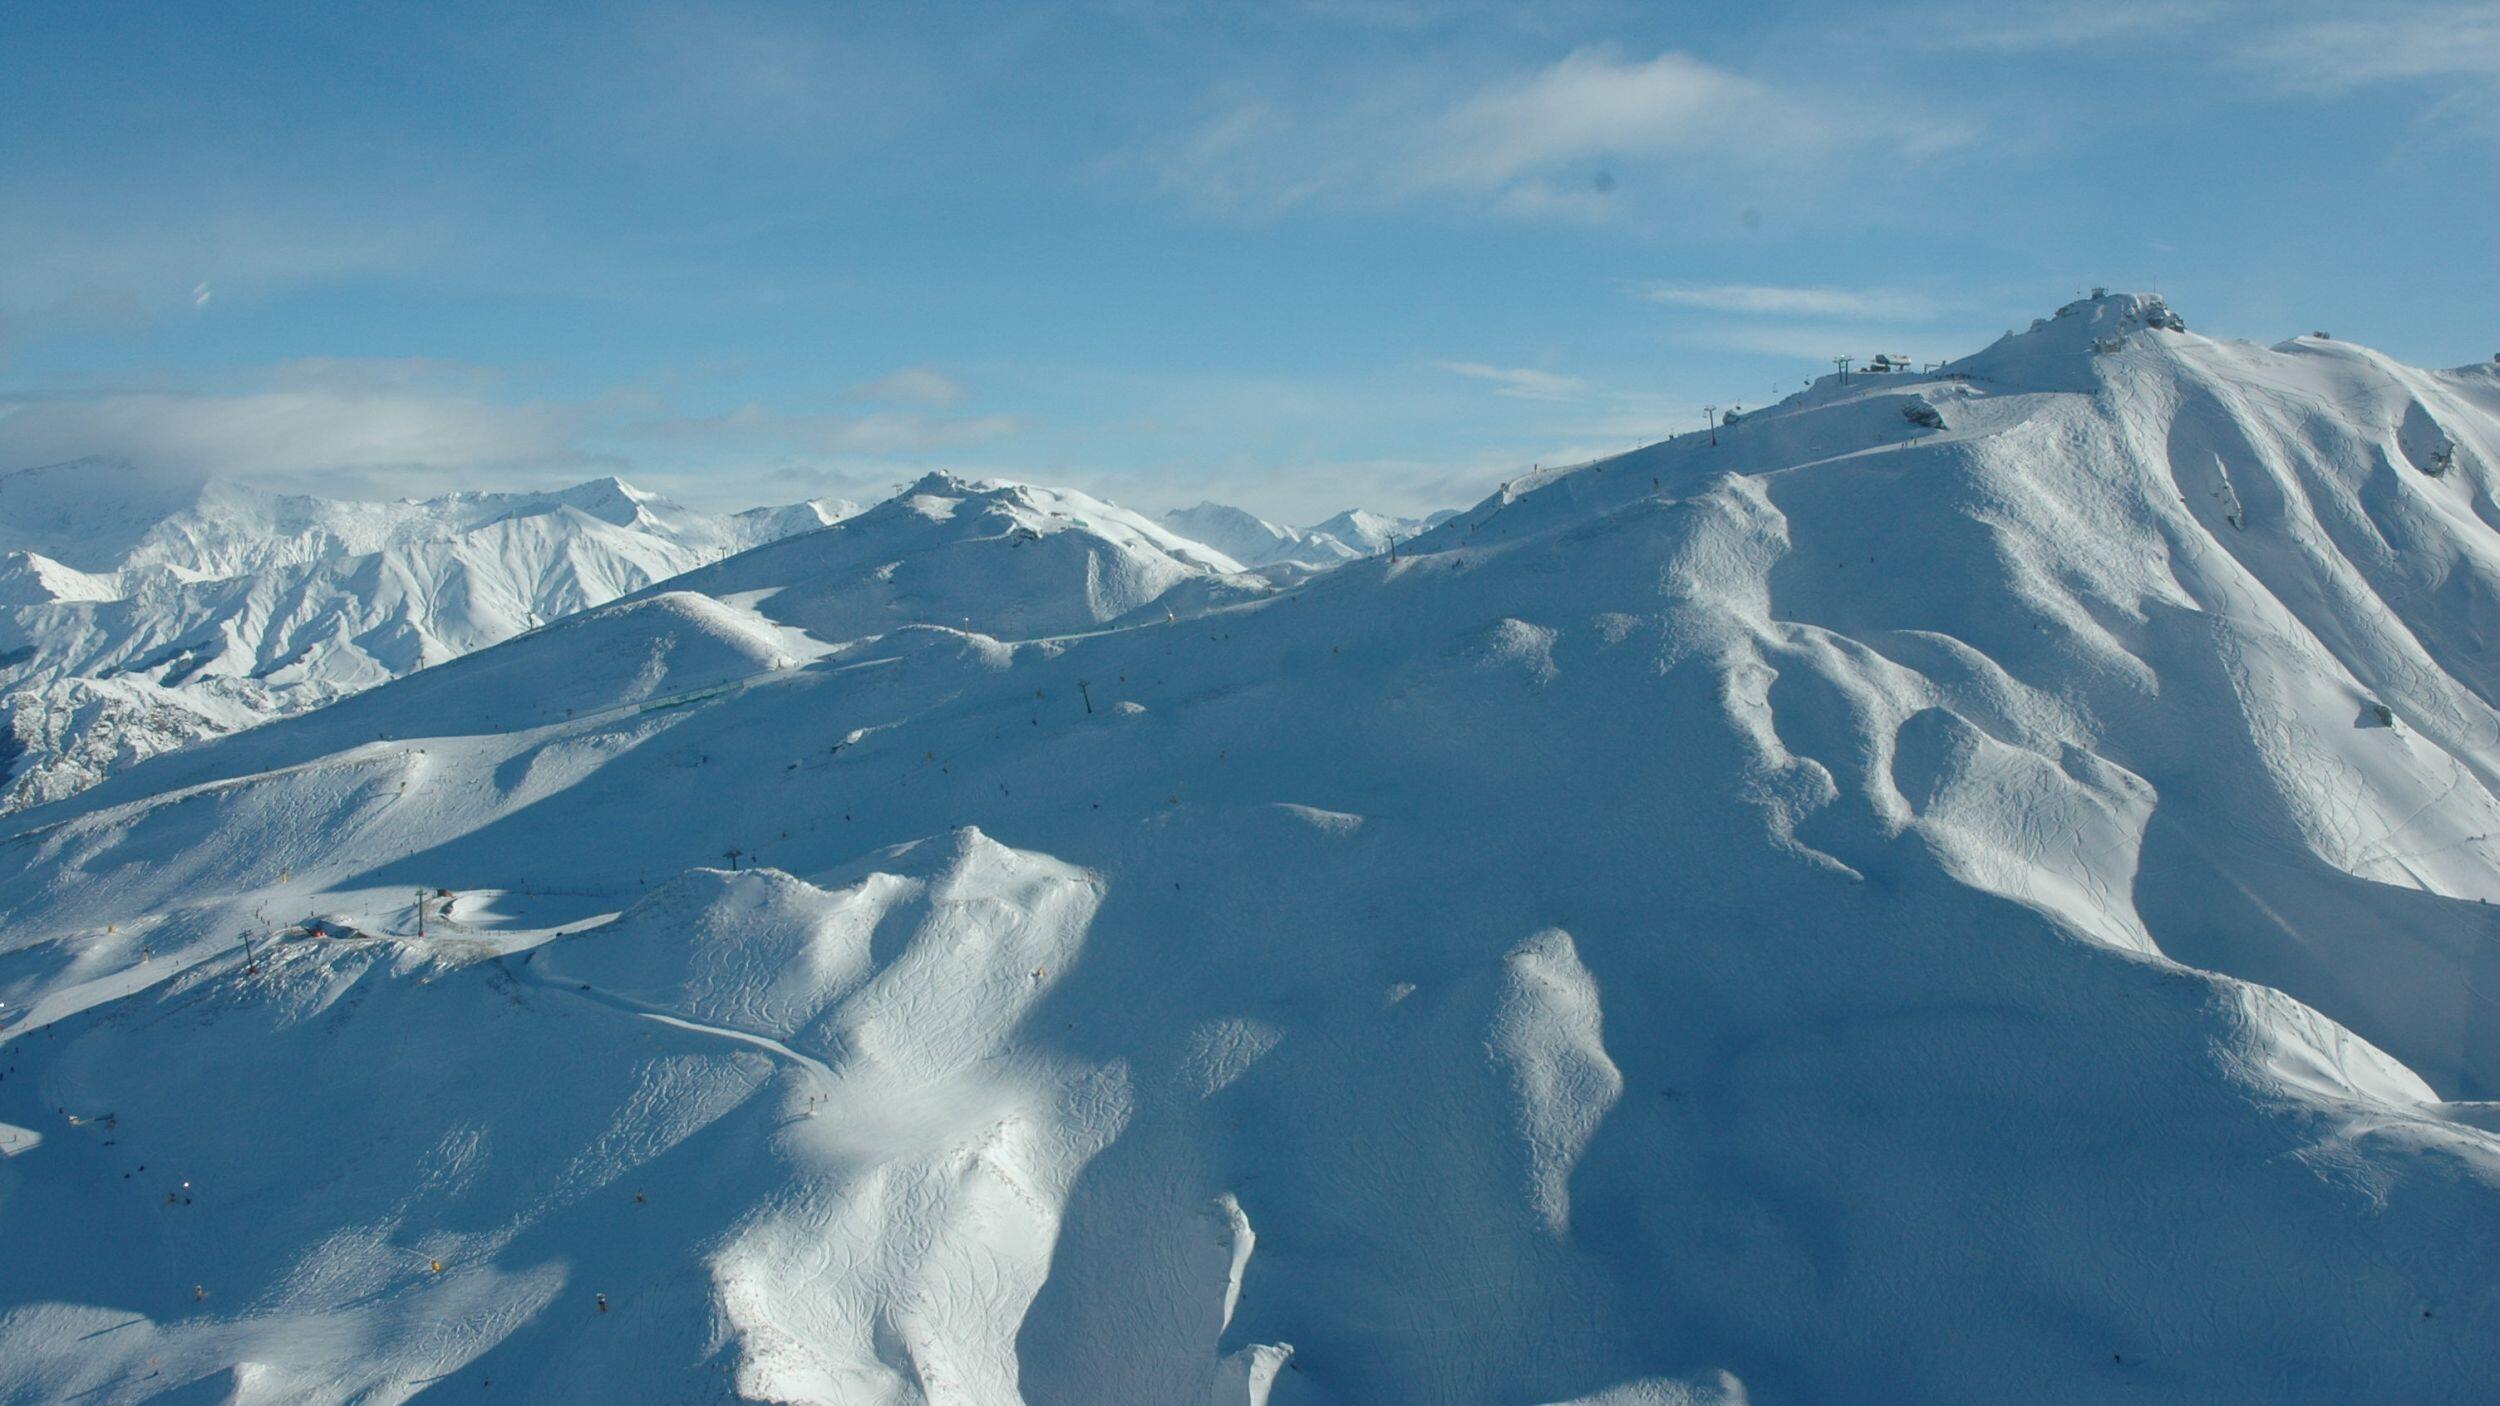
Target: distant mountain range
[
  {"x": 141, "y": 610},
  {"x": 1254, "y": 541}
]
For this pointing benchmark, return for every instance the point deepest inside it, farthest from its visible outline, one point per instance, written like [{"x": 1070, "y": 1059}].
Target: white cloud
[
  {"x": 1762, "y": 300},
  {"x": 1519, "y": 381},
  {"x": 911, "y": 385},
  {"x": 1547, "y": 142},
  {"x": 1590, "y": 105}
]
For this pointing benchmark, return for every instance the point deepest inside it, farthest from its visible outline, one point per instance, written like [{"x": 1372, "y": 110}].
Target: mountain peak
[
  {"x": 2097, "y": 324},
  {"x": 1237, "y": 533},
  {"x": 608, "y": 498},
  {"x": 1365, "y": 532},
  {"x": 947, "y": 483}
]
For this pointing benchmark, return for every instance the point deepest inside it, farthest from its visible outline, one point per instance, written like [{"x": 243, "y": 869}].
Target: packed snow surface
[
  {"x": 142, "y": 610},
  {"x": 1976, "y": 887}
]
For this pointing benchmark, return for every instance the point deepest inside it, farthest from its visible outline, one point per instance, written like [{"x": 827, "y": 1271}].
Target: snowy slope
[
  {"x": 1913, "y": 902},
  {"x": 140, "y": 611}
]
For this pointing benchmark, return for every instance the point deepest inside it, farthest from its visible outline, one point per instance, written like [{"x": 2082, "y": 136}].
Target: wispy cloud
[
  {"x": 1548, "y": 141},
  {"x": 356, "y": 427},
  {"x": 290, "y": 433},
  {"x": 1814, "y": 322},
  {"x": 1819, "y": 342},
  {"x": 757, "y": 427},
  {"x": 2391, "y": 43},
  {"x": 179, "y": 247},
  {"x": 1592, "y": 104},
  {"x": 762, "y": 78},
  {"x": 1765, "y": 300},
  {"x": 2450, "y": 52},
  {"x": 1524, "y": 382},
  {"x": 2003, "y": 26},
  {"x": 911, "y": 385}
]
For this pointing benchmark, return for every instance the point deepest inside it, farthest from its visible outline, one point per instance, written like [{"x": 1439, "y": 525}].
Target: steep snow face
[
  {"x": 30, "y": 578},
  {"x": 62, "y": 737},
  {"x": 1918, "y": 901},
  {"x": 212, "y": 606}
]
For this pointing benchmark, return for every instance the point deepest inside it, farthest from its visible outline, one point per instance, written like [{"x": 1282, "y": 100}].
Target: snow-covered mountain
[
  {"x": 141, "y": 611},
  {"x": 1976, "y": 886},
  {"x": 999, "y": 559},
  {"x": 1254, "y": 541}
]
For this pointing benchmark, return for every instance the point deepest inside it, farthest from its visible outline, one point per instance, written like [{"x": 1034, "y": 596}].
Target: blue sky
[{"x": 1295, "y": 256}]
